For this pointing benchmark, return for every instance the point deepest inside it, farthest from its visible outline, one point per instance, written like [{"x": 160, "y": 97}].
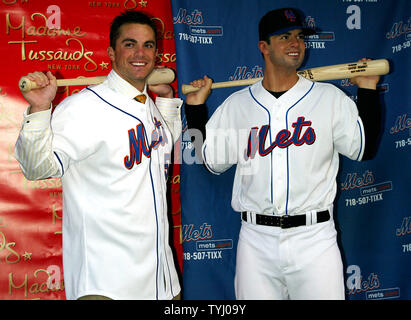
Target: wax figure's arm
[
  {"x": 370, "y": 112},
  {"x": 197, "y": 117},
  {"x": 196, "y": 113}
]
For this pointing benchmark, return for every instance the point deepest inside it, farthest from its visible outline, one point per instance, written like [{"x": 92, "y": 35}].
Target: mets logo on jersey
[
  {"x": 284, "y": 138},
  {"x": 138, "y": 143}
]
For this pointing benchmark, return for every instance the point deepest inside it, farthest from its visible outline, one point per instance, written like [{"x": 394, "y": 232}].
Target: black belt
[{"x": 286, "y": 221}]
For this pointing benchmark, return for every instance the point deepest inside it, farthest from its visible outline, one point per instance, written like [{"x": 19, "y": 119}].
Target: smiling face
[
  {"x": 134, "y": 55},
  {"x": 285, "y": 50}
]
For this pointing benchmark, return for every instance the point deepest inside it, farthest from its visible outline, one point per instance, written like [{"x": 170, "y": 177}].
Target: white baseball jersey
[
  {"x": 286, "y": 149},
  {"x": 112, "y": 153}
]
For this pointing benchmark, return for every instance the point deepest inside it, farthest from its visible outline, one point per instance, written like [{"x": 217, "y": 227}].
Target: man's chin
[{"x": 297, "y": 63}]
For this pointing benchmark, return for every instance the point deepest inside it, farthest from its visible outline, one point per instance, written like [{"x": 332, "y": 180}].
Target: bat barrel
[{"x": 347, "y": 70}]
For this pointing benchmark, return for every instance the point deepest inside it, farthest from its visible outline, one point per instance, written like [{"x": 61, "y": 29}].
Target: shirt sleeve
[
  {"x": 170, "y": 109},
  {"x": 220, "y": 147},
  {"x": 33, "y": 149},
  {"x": 348, "y": 129},
  {"x": 370, "y": 112},
  {"x": 214, "y": 140},
  {"x": 196, "y": 116}
]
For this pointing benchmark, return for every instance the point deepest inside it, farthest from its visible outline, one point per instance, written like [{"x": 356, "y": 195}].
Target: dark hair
[{"x": 129, "y": 17}]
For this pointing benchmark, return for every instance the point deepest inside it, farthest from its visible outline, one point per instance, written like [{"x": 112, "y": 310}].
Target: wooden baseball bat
[
  {"x": 332, "y": 72},
  {"x": 158, "y": 76}
]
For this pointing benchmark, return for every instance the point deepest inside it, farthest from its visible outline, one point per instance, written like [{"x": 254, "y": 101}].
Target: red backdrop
[{"x": 70, "y": 39}]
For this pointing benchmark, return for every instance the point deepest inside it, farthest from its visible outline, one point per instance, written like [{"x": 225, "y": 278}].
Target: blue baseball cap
[{"x": 280, "y": 21}]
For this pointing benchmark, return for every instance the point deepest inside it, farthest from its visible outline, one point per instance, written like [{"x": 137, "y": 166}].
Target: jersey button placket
[{"x": 278, "y": 159}]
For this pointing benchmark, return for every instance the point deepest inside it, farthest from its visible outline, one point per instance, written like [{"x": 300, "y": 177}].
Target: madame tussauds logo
[{"x": 43, "y": 26}]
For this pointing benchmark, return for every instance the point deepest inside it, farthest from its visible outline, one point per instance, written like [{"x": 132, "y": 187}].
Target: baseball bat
[
  {"x": 332, "y": 72},
  {"x": 157, "y": 76}
]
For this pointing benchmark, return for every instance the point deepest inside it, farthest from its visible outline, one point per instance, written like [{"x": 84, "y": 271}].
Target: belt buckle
[{"x": 285, "y": 222}]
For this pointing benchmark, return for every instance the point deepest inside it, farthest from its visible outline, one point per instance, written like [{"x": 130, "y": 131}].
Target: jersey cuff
[
  {"x": 169, "y": 107},
  {"x": 36, "y": 121}
]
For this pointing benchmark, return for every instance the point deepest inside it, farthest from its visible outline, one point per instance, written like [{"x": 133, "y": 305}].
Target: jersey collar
[{"x": 123, "y": 87}]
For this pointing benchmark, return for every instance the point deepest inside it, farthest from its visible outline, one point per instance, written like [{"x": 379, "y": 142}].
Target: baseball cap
[{"x": 279, "y": 21}]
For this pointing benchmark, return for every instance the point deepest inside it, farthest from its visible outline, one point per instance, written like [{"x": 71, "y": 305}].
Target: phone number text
[
  {"x": 401, "y": 46},
  {"x": 363, "y": 200},
  {"x": 195, "y": 39},
  {"x": 203, "y": 255}
]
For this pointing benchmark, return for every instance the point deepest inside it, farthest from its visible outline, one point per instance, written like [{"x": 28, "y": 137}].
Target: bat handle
[{"x": 187, "y": 89}]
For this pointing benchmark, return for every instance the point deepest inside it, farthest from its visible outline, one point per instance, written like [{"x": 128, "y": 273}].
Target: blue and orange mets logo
[
  {"x": 368, "y": 190},
  {"x": 198, "y": 33},
  {"x": 139, "y": 145},
  {"x": 290, "y": 16},
  {"x": 257, "y": 138},
  {"x": 204, "y": 246}
]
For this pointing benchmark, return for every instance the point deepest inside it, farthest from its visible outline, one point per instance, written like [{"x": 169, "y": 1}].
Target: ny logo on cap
[{"x": 290, "y": 15}]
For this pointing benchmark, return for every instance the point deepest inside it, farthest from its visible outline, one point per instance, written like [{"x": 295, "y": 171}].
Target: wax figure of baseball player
[
  {"x": 285, "y": 134},
  {"x": 111, "y": 152}
]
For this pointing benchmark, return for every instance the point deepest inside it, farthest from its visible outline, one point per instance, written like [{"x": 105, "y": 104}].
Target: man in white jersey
[
  {"x": 285, "y": 134},
  {"x": 111, "y": 147}
]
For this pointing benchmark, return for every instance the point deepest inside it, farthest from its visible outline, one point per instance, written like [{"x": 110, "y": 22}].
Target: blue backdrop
[{"x": 372, "y": 209}]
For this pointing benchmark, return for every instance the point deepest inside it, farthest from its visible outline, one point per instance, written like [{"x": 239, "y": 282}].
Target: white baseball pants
[{"x": 302, "y": 263}]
